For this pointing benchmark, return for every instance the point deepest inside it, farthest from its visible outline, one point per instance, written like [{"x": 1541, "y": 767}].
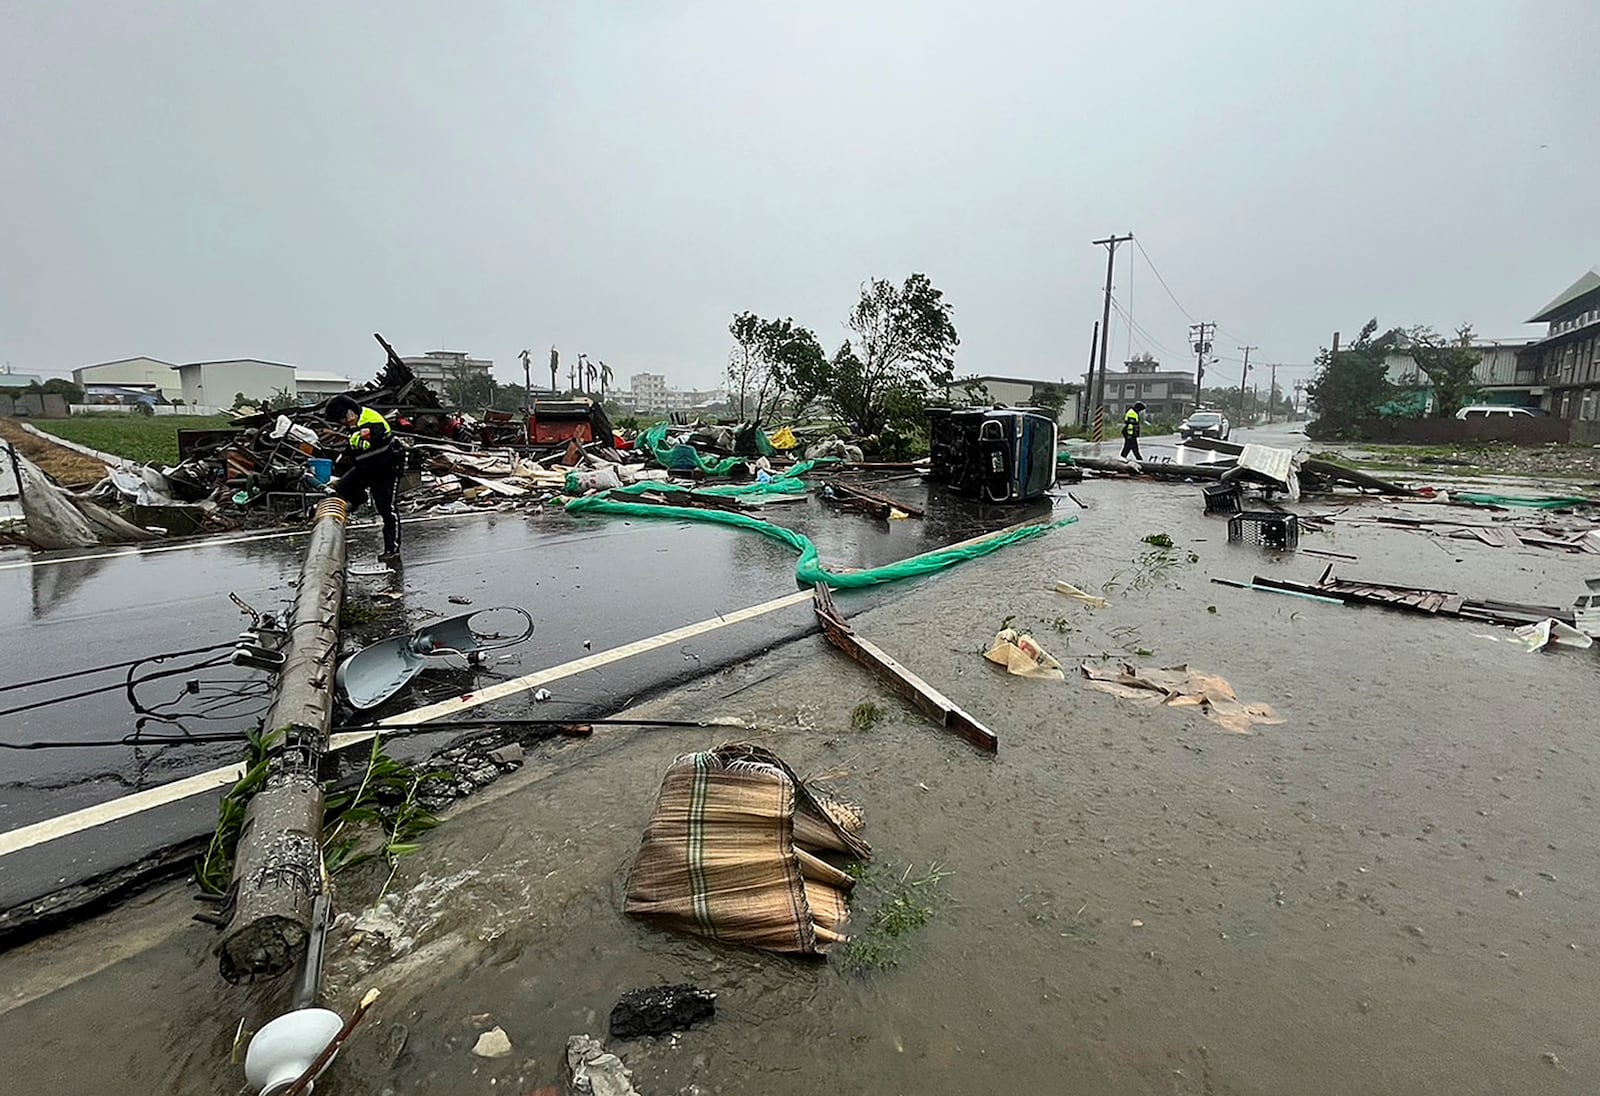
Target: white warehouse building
[
  {"x": 135, "y": 372},
  {"x": 215, "y": 384}
]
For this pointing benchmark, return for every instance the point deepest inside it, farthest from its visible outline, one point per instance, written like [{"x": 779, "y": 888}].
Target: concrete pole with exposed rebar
[{"x": 278, "y": 870}]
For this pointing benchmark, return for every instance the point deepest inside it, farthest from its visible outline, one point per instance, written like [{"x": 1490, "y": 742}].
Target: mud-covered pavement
[{"x": 1391, "y": 891}]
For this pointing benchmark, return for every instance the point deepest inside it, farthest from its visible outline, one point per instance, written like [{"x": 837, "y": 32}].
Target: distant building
[
  {"x": 1022, "y": 392},
  {"x": 649, "y": 391},
  {"x": 215, "y": 384},
  {"x": 1503, "y": 377},
  {"x": 19, "y": 380},
  {"x": 313, "y": 387},
  {"x": 136, "y": 372},
  {"x": 1167, "y": 395},
  {"x": 1563, "y": 368},
  {"x": 439, "y": 366}
]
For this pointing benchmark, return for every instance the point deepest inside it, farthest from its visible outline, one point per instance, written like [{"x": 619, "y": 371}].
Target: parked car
[
  {"x": 1204, "y": 424},
  {"x": 1494, "y": 411}
]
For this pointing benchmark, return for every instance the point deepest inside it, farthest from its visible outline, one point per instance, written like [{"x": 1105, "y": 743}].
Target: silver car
[{"x": 1205, "y": 424}]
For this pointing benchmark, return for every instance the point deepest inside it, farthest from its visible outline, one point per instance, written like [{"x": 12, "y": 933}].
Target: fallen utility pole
[
  {"x": 1156, "y": 468},
  {"x": 278, "y": 869},
  {"x": 931, "y": 701}
]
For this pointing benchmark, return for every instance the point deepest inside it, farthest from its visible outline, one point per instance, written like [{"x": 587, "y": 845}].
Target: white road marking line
[{"x": 51, "y": 829}]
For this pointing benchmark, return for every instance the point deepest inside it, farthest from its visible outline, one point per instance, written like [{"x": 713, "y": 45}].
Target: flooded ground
[
  {"x": 592, "y": 583},
  {"x": 1391, "y": 891}
]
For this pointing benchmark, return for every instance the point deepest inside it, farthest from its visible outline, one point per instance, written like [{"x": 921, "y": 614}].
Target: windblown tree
[
  {"x": 1450, "y": 364},
  {"x": 772, "y": 361},
  {"x": 903, "y": 345},
  {"x": 1352, "y": 384}
]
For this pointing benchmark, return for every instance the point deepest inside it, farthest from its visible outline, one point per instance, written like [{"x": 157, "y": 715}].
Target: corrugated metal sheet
[{"x": 1282, "y": 465}]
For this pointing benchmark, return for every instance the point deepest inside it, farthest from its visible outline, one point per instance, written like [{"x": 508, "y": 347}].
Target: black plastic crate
[
  {"x": 1266, "y": 528},
  {"x": 1222, "y": 498}
]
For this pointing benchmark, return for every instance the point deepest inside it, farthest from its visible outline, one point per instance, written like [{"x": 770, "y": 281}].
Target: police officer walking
[
  {"x": 1130, "y": 431},
  {"x": 371, "y": 464}
]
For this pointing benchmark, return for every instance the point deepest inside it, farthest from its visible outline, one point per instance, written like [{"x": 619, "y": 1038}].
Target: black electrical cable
[
  {"x": 395, "y": 730},
  {"x": 108, "y": 666}
]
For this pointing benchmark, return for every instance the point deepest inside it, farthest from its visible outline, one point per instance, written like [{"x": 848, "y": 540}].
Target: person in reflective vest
[
  {"x": 1130, "y": 431},
  {"x": 370, "y": 464}
]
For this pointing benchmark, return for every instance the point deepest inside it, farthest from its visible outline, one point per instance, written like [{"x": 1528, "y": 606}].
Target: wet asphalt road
[
  {"x": 1391, "y": 891},
  {"x": 591, "y": 583}
]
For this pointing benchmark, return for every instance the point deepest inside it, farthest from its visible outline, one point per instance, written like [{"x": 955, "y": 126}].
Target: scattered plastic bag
[
  {"x": 1552, "y": 633},
  {"x": 1181, "y": 687},
  {"x": 586, "y": 480},
  {"x": 1093, "y": 601},
  {"x": 784, "y": 439},
  {"x": 1022, "y": 655}
]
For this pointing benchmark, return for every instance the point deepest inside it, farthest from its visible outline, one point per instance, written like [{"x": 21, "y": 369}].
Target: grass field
[{"x": 140, "y": 437}]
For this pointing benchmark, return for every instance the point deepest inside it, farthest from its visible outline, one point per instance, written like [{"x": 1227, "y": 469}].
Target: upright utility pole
[
  {"x": 1272, "y": 389},
  {"x": 1200, "y": 337},
  {"x": 1088, "y": 387},
  {"x": 1242, "y": 377},
  {"x": 1110, "y": 244}
]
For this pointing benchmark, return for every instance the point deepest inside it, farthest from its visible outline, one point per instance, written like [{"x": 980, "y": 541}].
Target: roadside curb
[{"x": 111, "y": 460}]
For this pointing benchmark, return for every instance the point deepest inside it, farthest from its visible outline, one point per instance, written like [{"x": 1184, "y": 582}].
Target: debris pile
[{"x": 272, "y": 465}]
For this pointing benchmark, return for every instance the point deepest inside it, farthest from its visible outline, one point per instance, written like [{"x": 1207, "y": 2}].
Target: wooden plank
[
  {"x": 934, "y": 704},
  {"x": 881, "y": 500}
]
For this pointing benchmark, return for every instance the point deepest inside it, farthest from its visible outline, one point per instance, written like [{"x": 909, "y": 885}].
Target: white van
[{"x": 1493, "y": 411}]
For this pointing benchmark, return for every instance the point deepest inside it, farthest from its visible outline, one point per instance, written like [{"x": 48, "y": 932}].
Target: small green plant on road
[
  {"x": 902, "y": 904},
  {"x": 866, "y": 716}
]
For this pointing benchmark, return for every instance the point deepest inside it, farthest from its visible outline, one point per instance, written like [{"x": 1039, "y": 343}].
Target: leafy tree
[
  {"x": 904, "y": 344},
  {"x": 509, "y": 397},
  {"x": 1451, "y": 366},
  {"x": 56, "y": 386},
  {"x": 469, "y": 390},
  {"x": 1353, "y": 384},
  {"x": 773, "y": 361},
  {"x": 1052, "y": 397}
]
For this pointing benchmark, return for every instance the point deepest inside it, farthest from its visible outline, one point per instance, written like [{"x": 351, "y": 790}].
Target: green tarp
[{"x": 808, "y": 569}]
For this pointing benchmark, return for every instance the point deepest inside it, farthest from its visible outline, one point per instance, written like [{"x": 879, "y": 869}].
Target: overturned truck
[{"x": 1005, "y": 454}]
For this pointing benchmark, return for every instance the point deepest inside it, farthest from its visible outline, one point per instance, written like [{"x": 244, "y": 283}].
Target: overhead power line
[
  {"x": 1147, "y": 340},
  {"x": 1170, "y": 295}
]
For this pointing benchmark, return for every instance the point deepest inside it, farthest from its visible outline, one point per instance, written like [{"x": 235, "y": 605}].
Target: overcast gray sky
[{"x": 278, "y": 180}]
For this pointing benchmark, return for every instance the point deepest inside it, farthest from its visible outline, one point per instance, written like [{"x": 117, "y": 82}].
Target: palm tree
[
  {"x": 555, "y": 364},
  {"x": 605, "y": 378},
  {"x": 527, "y": 380},
  {"x": 594, "y": 374}
]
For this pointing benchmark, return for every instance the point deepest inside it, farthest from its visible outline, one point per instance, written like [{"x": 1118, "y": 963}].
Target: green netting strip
[
  {"x": 1516, "y": 501},
  {"x": 809, "y": 570}
]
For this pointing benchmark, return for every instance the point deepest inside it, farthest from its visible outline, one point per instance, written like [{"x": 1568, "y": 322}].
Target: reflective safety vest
[
  {"x": 1130, "y": 424},
  {"x": 371, "y": 435}
]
